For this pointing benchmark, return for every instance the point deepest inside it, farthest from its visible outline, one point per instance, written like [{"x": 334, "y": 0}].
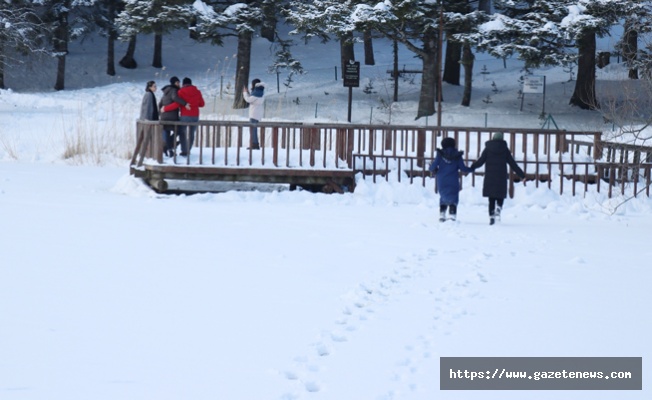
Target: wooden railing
[
  {"x": 226, "y": 144},
  {"x": 380, "y": 151}
]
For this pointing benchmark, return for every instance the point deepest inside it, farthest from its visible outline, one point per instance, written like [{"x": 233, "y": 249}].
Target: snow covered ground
[{"x": 109, "y": 291}]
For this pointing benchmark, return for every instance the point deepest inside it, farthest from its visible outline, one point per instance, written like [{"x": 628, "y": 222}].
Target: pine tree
[
  {"x": 153, "y": 16},
  {"x": 637, "y": 24},
  {"x": 21, "y": 32},
  {"x": 325, "y": 20},
  {"x": 216, "y": 20},
  {"x": 462, "y": 26},
  {"x": 105, "y": 14},
  {"x": 555, "y": 32},
  {"x": 285, "y": 61},
  {"x": 528, "y": 29},
  {"x": 66, "y": 20},
  {"x": 452, "y": 59},
  {"x": 414, "y": 24},
  {"x": 586, "y": 21}
]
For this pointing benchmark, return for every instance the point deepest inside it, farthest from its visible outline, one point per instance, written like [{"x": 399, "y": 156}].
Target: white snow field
[{"x": 109, "y": 291}]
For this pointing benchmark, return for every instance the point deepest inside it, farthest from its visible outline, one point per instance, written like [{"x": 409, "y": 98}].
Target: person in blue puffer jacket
[{"x": 446, "y": 167}]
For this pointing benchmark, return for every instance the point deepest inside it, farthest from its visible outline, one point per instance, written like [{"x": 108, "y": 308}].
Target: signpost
[
  {"x": 351, "y": 80},
  {"x": 534, "y": 84}
]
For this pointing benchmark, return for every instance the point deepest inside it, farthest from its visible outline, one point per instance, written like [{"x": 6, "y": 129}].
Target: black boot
[
  {"x": 442, "y": 213},
  {"x": 452, "y": 212}
]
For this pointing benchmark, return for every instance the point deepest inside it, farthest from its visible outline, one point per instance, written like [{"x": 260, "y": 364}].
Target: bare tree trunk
[
  {"x": 243, "y": 66},
  {"x": 110, "y": 56},
  {"x": 395, "y": 70},
  {"x": 429, "y": 79},
  {"x": 110, "y": 51},
  {"x": 630, "y": 48},
  {"x": 157, "y": 62},
  {"x": 485, "y": 5},
  {"x": 61, "y": 73},
  {"x": 368, "y": 48},
  {"x": 61, "y": 48},
  {"x": 452, "y": 63},
  {"x": 128, "y": 61},
  {"x": 346, "y": 51},
  {"x": 467, "y": 62},
  {"x": 584, "y": 95},
  {"x": 3, "y": 61},
  {"x": 268, "y": 28}
]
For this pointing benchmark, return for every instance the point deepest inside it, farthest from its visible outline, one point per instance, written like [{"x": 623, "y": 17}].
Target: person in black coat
[
  {"x": 170, "y": 95},
  {"x": 446, "y": 167},
  {"x": 496, "y": 156}
]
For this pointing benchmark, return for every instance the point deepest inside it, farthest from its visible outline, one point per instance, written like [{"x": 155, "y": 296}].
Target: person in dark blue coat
[
  {"x": 495, "y": 157},
  {"x": 446, "y": 167}
]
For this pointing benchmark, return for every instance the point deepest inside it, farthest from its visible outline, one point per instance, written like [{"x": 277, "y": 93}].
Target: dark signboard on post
[
  {"x": 352, "y": 74},
  {"x": 351, "y": 80}
]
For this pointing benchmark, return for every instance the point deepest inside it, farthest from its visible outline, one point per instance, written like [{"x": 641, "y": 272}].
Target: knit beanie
[
  {"x": 186, "y": 81},
  {"x": 174, "y": 80},
  {"x": 497, "y": 136},
  {"x": 447, "y": 142}
]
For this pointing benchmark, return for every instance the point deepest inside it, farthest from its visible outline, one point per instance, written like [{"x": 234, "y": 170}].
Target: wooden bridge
[{"x": 327, "y": 157}]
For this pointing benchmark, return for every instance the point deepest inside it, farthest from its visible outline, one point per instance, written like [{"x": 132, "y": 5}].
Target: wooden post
[
  {"x": 156, "y": 132},
  {"x": 350, "y": 104},
  {"x": 350, "y": 143},
  {"x": 139, "y": 142},
  {"x": 597, "y": 146},
  {"x": 275, "y": 146},
  {"x": 313, "y": 140},
  {"x": 421, "y": 147}
]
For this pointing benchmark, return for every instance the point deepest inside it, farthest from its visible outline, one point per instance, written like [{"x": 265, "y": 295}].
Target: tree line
[{"x": 539, "y": 32}]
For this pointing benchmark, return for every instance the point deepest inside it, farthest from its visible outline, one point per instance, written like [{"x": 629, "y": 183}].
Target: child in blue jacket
[{"x": 446, "y": 167}]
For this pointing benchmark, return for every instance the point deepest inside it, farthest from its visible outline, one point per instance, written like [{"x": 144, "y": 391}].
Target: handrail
[{"x": 380, "y": 150}]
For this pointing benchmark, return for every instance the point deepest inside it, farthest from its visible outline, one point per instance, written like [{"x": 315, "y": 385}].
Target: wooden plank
[{"x": 191, "y": 170}]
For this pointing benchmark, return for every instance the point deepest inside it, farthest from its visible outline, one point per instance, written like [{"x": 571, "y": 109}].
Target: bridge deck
[{"x": 327, "y": 157}]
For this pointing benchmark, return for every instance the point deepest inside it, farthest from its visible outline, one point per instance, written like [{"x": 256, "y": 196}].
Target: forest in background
[{"x": 443, "y": 35}]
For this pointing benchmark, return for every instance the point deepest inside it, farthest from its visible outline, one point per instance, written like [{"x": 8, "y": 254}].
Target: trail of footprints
[{"x": 361, "y": 305}]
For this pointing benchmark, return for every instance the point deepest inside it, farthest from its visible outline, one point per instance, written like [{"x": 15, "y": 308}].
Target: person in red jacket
[{"x": 190, "y": 94}]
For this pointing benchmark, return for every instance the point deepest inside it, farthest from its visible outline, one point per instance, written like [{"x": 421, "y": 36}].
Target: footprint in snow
[
  {"x": 312, "y": 387},
  {"x": 322, "y": 350},
  {"x": 291, "y": 375},
  {"x": 338, "y": 337}
]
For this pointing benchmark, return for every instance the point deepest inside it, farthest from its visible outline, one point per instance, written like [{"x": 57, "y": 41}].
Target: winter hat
[
  {"x": 497, "y": 136},
  {"x": 447, "y": 142},
  {"x": 174, "y": 80},
  {"x": 187, "y": 81}
]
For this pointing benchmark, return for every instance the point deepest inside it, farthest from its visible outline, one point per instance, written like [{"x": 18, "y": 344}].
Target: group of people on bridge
[{"x": 181, "y": 101}]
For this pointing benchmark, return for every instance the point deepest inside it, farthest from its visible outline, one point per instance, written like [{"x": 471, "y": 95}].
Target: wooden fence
[{"x": 333, "y": 153}]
